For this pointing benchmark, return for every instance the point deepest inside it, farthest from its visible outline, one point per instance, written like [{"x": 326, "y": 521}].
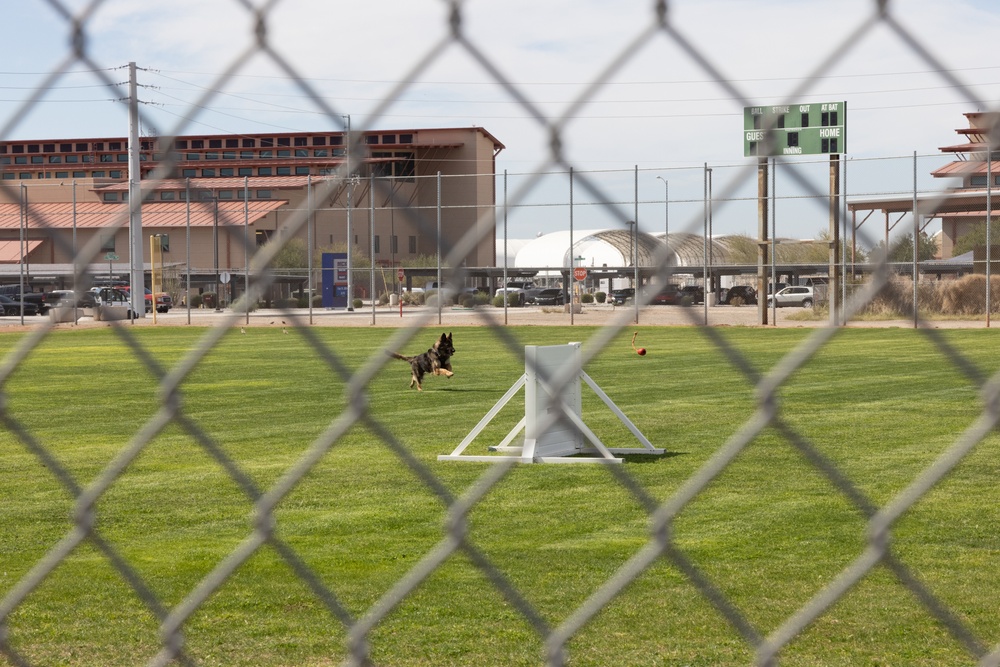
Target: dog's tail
[{"x": 396, "y": 355}]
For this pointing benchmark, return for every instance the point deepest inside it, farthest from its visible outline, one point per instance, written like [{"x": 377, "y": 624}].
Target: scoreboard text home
[{"x": 796, "y": 129}]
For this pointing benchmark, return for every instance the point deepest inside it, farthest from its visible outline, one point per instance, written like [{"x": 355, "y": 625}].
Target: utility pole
[{"x": 137, "y": 285}]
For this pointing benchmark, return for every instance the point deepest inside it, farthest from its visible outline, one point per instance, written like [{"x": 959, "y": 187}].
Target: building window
[
  {"x": 284, "y": 171},
  {"x": 79, "y": 174},
  {"x": 229, "y": 155},
  {"x": 208, "y": 173},
  {"x": 98, "y": 174},
  {"x": 81, "y": 147},
  {"x": 320, "y": 152},
  {"x": 284, "y": 152},
  {"x": 319, "y": 141},
  {"x": 300, "y": 141},
  {"x": 978, "y": 181},
  {"x": 192, "y": 157},
  {"x": 413, "y": 245},
  {"x": 405, "y": 167},
  {"x": 189, "y": 173},
  {"x": 88, "y": 158},
  {"x": 226, "y": 171},
  {"x": 55, "y": 159},
  {"x": 232, "y": 143},
  {"x": 267, "y": 143},
  {"x": 376, "y": 244},
  {"x": 264, "y": 171},
  {"x": 62, "y": 174},
  {"x": 20, "y": 159},
  {"x": 225, "y": 194},
  {"x": 263, "y": 194},
  {"x": 122, "y": 157},
  {"x": 109, "y": 196},
  {"x": 249, "y": 143},
  {"x": 247, "y": 155},
  {"x": 245, "y": 171},
  {"x": 168, "y": 195},
  {"x": 284, "y": 141},
  {"x": 388, "y": 138},
  {"x": 5, "y": 160},
  {"x": 72, "y": 158},
  {"x": 98, "y": 145},
  {"x": 17, "y": 149},
  {"x": 107, "y": 157},
  {"x": 114, "y": 145},
  {"x": 211, "y": 155},
  {"x": 24, "y": 176},
  {"x": 215, "y": 143},
  {"x": 371, "y": 139},
  {"x": 108, "y": 242},
  {"x": 8, "y": 177},
  {"x": 406, "y": 138},
  {"x": 197, "y": 143},
  {"x": 182, "y": 144},
  {"x": 115, "y": 173},
  {"x": 337, "y": 140},
  {"x": 266, "y": 154},
  {"x": 37, "y": 159},
  {"x": 302, "y": 171},
  {"x": 301, "y": 152}
]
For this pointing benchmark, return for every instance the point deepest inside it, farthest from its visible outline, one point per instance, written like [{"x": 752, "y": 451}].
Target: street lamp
[{"x": 666, "y": 213}]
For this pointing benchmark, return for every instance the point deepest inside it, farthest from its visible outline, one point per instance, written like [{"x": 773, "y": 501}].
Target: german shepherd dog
[{"x": 436, "y": 360}]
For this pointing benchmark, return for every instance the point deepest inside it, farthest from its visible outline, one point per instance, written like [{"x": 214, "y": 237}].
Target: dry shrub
[{"x": 962, "y": 297}]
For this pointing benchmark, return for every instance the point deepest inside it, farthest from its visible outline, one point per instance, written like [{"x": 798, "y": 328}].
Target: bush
[
  {"x": 357, "y": 303},
  {"x": 286, "y": 303},
  {"x": 467, "y": 301},
  {"x": 601, "y": 297},
  {"x": 196, "y": 301},
  {"x": 586, "y": 297},
  {"x": 513, "y": 300}
]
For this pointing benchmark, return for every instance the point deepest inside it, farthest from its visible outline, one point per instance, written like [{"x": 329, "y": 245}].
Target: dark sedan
[
  {"x": 550, "y": 297},
  {"x": 11, "y": 307}
]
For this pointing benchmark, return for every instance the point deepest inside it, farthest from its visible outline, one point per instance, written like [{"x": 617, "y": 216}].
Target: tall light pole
[{"x": 666, "y": 214}]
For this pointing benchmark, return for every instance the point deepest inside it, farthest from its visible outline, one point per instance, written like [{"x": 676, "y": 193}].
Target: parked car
[
  {"x": 551, "y": 296},
  {"x": 797, "y": 295},
  {"x": 69, "y": 297},
  {"x": 115, "y": 298},
  {"x": 621, "y": 295},
  {"x": 12, "y": 307},
  {"x": 163, "y": 301},
  {"x": 671, "y": 295},
  {"x": 695, "y": 292},
  {"x": 744, "y": 294},
  {"x": 37, "y": 298}
]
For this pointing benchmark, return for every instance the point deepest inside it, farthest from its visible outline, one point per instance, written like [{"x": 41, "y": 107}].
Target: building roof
[{"x": 91, "y": 215}]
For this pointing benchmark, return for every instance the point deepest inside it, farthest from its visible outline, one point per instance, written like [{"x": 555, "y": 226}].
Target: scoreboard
[{"x": 795, "y": 129}]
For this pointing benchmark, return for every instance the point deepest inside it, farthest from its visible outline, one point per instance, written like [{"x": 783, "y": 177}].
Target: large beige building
[{"x": 220, "y": 197}]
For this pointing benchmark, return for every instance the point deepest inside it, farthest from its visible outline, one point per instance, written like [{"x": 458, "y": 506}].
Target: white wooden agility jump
[{"x": 548, "y": 436}]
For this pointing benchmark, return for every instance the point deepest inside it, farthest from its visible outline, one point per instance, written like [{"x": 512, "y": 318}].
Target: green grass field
[{"x": 769, "y": 532}]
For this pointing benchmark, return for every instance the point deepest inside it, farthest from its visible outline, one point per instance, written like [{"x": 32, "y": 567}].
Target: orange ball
[{"x": 641, "y": 352}]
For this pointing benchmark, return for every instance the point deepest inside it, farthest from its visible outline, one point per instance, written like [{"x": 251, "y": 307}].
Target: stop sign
[
  {"x": 580, "y": 273},
  {"x": 400, "y": 275}
]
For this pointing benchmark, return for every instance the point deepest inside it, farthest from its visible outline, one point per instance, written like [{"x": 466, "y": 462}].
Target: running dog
[{"x": 436, "y": 361}]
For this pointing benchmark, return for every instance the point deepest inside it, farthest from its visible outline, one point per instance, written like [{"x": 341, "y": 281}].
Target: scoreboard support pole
[
  {"x": 762, "y": 238},
  {"x": 833, "y": 287}
]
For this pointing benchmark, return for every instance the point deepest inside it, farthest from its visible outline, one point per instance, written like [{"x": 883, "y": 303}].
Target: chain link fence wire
[{"x": 456, "y": 539}]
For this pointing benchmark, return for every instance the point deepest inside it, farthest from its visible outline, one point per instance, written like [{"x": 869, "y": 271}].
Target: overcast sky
[{"x": 670, "y": 101}]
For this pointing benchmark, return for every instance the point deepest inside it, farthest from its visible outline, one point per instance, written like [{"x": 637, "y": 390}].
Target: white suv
[{"x": 797, "y": 295}]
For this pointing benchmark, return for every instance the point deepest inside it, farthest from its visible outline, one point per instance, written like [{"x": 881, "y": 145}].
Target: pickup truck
[{"x": 525, "y": 289}]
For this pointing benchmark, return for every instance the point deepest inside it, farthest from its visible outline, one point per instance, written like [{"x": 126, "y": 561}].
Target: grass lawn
[{"x": 770, "y": 532}]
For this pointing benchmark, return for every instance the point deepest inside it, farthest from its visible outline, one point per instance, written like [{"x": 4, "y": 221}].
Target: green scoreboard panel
[{"x": 798, "y": 129}]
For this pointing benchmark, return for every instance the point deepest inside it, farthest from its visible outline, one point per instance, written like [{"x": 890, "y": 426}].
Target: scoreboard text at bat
[{"x": 796, "y": 129}]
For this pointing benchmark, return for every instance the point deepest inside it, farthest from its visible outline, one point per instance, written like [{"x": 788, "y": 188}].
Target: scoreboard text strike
[{"x": 798, "y": 129}]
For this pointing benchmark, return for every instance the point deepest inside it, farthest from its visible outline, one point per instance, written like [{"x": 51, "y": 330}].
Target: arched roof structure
[{"x": 613, "y": 247}]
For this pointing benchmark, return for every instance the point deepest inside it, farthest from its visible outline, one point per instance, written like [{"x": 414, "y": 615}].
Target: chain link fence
[{"x": 457, "y": 538}]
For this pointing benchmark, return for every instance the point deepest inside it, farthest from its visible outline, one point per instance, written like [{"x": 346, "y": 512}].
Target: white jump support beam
[{"x": 553, "y": 426}]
